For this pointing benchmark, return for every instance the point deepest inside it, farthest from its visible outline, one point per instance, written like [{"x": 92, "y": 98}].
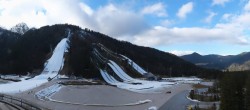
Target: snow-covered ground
[
  {"x": 207, "y": 83},
  {"x": 52, "y": 67},
  {"x": 47, "y": 93},
  {"x": 190, "y": 80},
  {"x": 131, "y": 84},
  {"x": 142, "y": 86},
  {"x": 56, "y": 62}
]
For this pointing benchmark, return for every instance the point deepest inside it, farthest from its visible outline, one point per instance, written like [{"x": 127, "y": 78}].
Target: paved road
[
  {"x": 4, "y": 106},
  {"x": 180, "y": 102},
  {"x": 177, "y": 102}
]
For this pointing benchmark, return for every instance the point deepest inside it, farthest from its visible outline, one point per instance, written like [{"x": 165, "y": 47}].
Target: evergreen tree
[
  {"x": 247, "y": 97},
  {"x": 232, "y": 91}
]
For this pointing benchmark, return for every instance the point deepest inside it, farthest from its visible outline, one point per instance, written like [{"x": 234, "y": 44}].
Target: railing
[{"x": 19, "y": 102}]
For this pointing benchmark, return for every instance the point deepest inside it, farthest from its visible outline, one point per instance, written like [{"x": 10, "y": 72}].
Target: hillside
[
  {"x": 218, "y": 61},
  {"x": 29, "y": 52}
]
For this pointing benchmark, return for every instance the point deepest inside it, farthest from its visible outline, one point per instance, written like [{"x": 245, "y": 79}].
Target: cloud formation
[
  {"x": 219, "y": 2},
  {"x": 209, "y": 18},
  {"x": 109, "y": 19},
  {"x": 247, "y": 6},
  {"x": 126, "y": 24},
  {"x": 157, "y": 9},
  {"x": 181, "y": 53},
  {"x": 185, "y": 9}
]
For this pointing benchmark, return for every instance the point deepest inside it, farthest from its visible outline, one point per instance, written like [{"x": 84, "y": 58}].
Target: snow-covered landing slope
[
  {"x": 134, "y": 65},
  {"x": 140, "y": 87},
  {"x": 56, "y": 62},
  {"x": 53, "y": 66},
  {"x": 130, "y": 83}
]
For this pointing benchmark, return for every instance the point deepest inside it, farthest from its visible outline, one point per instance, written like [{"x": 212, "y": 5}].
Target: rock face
[
  {"x": 239, "y": 67},
  {"x": 20, "y": 28}
]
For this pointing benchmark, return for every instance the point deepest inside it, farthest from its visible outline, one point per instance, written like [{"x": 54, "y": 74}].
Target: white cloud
[
  {"x": 219, "y": 2},
  {"x": 159, "y": 36},
  {"x": 167, "y": 22},
  {"x": 185, "y": 9},
  {"x": 86, "y": 8},
  {"x": 118, "y": 22},
  {"x": 33, "y": 12},
  {"x": 247, "y": 6},
  {"x": 108, "y": 19},
  {"x": 123, "y": 23},
  {"x": 209, "y": 18},
  {"x": 227, "y": 17},
  {"x": 181, "y": 53},
  {"x": 157, "y": 9}
]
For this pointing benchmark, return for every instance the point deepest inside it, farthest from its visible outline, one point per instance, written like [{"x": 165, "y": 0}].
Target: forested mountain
[
  {"x": 7, "y": 40},
  {"x": 218, "y": 61},
  {"x": 28, "y": 52}
]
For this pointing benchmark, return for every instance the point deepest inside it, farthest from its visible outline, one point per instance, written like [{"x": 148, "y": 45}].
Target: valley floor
[{"x": 100, "y": 97}]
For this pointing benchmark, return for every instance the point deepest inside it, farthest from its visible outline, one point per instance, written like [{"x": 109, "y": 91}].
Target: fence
[{"x": 19, "y": 102}]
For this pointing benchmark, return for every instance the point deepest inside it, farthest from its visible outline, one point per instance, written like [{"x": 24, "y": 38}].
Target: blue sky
[{"x": 176, "y": 26}]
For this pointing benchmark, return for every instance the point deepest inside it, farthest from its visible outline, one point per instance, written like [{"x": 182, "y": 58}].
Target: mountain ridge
[
  {"x": 217, "y": 61},
  {"x": 30, "y": 51}
]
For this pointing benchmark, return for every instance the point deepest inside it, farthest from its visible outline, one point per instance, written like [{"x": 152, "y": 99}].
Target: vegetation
[
  {"x": 200, "y": 93},
  {"x": 235, "y": 91}
]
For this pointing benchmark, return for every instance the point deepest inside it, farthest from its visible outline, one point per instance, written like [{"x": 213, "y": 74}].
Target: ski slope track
[
  {"x": 56, "y": 61},
  {"x": 131, "y": 84},
  {"x": 51, "y": 70},
  {"x": 134, "y": 65}
]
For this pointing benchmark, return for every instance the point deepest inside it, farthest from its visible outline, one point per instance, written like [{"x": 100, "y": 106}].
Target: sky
[{"x": 176, "y": 26}]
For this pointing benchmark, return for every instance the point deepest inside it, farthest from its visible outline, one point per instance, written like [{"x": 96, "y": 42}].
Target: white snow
[
  {"x": 47, "y": 93},
  {"x": 190, "y": 80},
  {"x": 55, "y": 63},
  {"x": 141, "y": 86},
  {"x": 134, "y": 65},
  {"x": 119, "y": 71},
  {"x": 194, "y": 100},
  {"x": 53, "y": 66},
  {"x": 152, "y": 108},
  {"x": 15, "y": 87}
]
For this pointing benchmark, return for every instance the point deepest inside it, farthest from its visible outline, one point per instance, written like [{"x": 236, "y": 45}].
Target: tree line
[{"x": 235, "y": 91}]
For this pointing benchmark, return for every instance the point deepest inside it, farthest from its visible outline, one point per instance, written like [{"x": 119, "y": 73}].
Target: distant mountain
[
  {"x": 29, "y": 53},
  {"x": 218, "y": 61},
  {"x": 20, "y": 28}
]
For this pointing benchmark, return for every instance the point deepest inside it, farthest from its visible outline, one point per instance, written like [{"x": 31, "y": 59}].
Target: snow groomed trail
[
  {"x": 119, "y": 77},
  {"x": 56, "y": 62},
  {"x": 134, "y": 65},
  {"x": 52, "y": 67},
  {"x": 131, "y": 84}
]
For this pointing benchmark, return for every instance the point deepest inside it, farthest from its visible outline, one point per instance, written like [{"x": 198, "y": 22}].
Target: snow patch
[
  {"x": 47, "y": 93},
  {"x": 192, "y": 99},
  {"x": 152, "y": 108},
  {"x": 15, "y": 87},
  {"x": 187, "y": 80}
]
